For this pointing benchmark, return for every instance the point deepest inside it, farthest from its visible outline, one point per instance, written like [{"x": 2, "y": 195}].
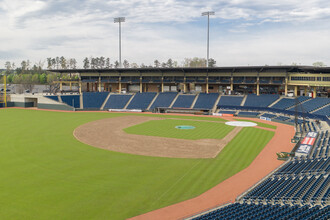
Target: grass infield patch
[{"x": 167, "y": 128}]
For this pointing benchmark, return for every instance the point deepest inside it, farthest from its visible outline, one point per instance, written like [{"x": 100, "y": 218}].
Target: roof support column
[
  {"x": 119, "y": 85},
  {"x": 140, "y": 84},
  {"x": 295, "y": 90},
  {"x": 258, "y": 88},
  {"x": 99, "y": 83},
  {"x": 314, "y": 92},
  {"x": 286, "y": 87},
  {"x": 207, "y": 85}
]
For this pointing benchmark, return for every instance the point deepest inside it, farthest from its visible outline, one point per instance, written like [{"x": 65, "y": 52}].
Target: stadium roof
[{"x": 298, "y": 69}]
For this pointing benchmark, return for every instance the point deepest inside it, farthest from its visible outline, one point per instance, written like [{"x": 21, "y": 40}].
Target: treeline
[{"x": 53, "y": 63}]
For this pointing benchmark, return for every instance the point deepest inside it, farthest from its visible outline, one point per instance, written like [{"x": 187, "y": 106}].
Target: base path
[
  {"x": 108, "y": 134},
  {"x": 229, "y": 189}
]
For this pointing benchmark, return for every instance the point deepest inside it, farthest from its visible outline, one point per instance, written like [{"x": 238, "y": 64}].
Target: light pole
[
  {"x": 119, "y": 20},
  {"x": 208, "y": 13}
]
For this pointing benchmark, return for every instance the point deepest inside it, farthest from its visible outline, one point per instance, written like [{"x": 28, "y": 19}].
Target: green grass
[
  {"x": 264, "y": 125},
  {"x": 166, "y": 128},
  {"x": 47, "y": 174}
]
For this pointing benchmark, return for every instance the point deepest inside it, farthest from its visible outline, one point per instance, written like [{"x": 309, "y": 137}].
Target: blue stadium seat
[
  {"x": 94, "y": 100},
  {"x": 184, "y": 101},
  {"x": 164, "y": 99},
  {"x": 230, "y": 100},
  {"x": 141, "y": 100},
  {"x": 206, "y": 101},
  {"x": 72, "y": 100},
  {"x": 261, "y": 100},
  {"x": 117, "y": 101}
]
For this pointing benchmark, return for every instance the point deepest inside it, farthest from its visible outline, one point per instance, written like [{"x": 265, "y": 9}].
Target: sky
[{"x": 242, "y": 32}]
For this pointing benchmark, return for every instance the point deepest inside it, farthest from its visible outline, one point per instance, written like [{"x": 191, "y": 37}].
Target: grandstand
[{"x": 299, "y": 189}]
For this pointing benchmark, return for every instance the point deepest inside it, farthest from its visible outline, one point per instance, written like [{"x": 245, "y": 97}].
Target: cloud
[{"x": 36, "y": 29}]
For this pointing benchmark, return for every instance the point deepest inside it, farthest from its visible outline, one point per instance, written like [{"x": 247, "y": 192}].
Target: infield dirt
[{"x": 108, "y": 134}]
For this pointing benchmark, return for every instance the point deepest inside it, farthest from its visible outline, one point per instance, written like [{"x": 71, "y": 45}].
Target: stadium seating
[
  {"x": 267, "y": 115},
  {"x": 230, "y": 100},
  {"x": 261, "y": 100},
  {"x": 184, "y": 101},
  {"x": 227, "y": 112},
  {"x": 72, "y": 100},
  {"x": 289, "y": 102},
  {"x": 141, "y": 100},
  {"x": 117, "y": 101},
  {"x": 94, "y": 100},
  {"x": 53, "y": 97},
  {"x": 282, "y": 118},
  {"x": 260, "y": 211},
  {"x": 242, "y": 114},
  {"x": 313, "y": 104},
  {"x": 323, "y": 111},
  {"x": 163, "y": 100},
  {"x": 206, "y": 101}
]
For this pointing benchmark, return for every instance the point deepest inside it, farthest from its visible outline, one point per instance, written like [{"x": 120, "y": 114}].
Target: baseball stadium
[{"x": 246, "y": 142}]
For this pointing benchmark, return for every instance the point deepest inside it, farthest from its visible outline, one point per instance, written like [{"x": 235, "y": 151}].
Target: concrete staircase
[
  {"x": 129, "y": 101},
  {"x": 105, "y": 101},
  {"x": 244, "y": 100},
  {"x": 216, "y": 104},
  {"x": 174, "y": 100},
  {"x": 194, "y": 102},
  {"x": 153, "y": 100}
]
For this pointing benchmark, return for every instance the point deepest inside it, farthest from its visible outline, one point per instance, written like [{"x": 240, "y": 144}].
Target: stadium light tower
[
  {"x": 119, "y": 20},
  {"x": 208, "y": 13}
]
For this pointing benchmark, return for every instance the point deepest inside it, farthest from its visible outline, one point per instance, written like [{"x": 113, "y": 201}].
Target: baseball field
[{"x": 47, "y": 173}]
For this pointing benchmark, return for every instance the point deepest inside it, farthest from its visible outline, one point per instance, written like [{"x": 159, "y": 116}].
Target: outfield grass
[
  {"x": 47, "y": 174},
  {"x": 166, "y": 128}
]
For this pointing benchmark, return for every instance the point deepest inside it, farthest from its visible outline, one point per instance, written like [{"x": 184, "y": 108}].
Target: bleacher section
[
  {"x": 313, "y": 104},
  {"x": 242, "y": 114},
  {"x": 72, "y": 100},
  {"x": 94, "y": 100},
  {"x": 117, "y": 101},
  {"x": 206, "y": 101},
  {"x": 253, "y": 211},
  {"x": 53, "y": 97},
  {"x": 184, "y": 101},
  {"x": 323, "y": 111},
  {"x": 300, "y": 189},
  {"x": 287, "y": 102},
  {"x": 261, "y": 100},
  {"x": 267, "y": 115},
  {"x": 163, "y": 100},
  {"x": 141, "y": 100},
  {"x": 230, "y": 100}
]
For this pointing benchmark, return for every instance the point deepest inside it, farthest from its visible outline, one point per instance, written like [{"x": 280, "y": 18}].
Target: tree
[
  {"x": 63, "y": 62},
  {"x": 35, "y": 78},
  {"x": 57, "y": 61},
  {"x": 72, "y": 63},
  {"x": 126, "y": 64},
  {"x": 107, "y": 63},
  {"x": 52, "y": 86},
  {"x": 134, "y": 65},
  {"x": 49, "y": 63},
  {"x": 194, "y": 62},
  {"x": 86, "y": 63},
  {"x": 43, "y": 78},
  {"x": 116, "y": 64},
  {"x": 156, "y": 64},
  {"x": 102, "y": 62},
  {"x": 169, "y": 63},
  {"x": 23, "y": 66},
  {"x": 319, "y": 64},
  {"x": 142, "y": 65},
  {"x": 163, "y": 65},
  {"x": 8, "y": 66},
  {"x": 212, "y": 62}
]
